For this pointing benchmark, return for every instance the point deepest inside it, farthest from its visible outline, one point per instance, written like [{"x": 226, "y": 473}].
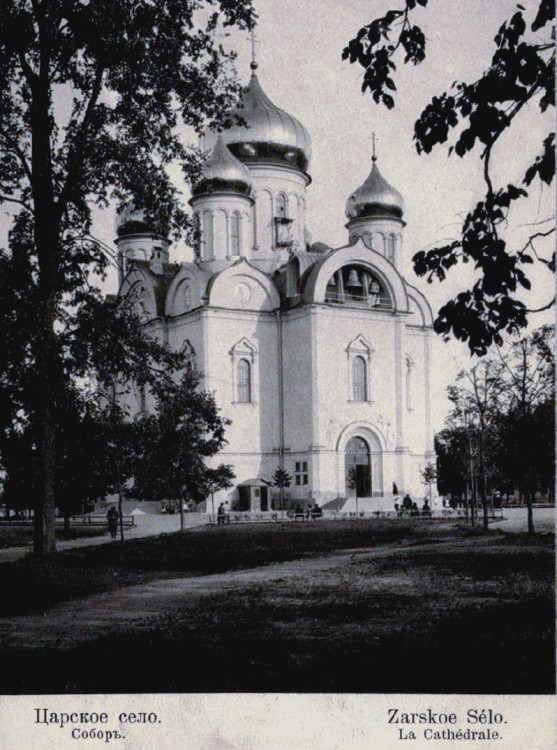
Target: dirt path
[
  {"x": 137, "y": 608},
  {"x": 147, "y": 525}
]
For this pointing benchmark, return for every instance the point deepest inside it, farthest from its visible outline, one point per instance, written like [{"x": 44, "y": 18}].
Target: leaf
[
  {"x": 544, "y": 164},
  {"x": 546, "y": 13},
  {"x": 388, "y": 101}
]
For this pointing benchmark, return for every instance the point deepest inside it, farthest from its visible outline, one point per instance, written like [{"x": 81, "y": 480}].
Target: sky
[{"x": 300, "y": 68}]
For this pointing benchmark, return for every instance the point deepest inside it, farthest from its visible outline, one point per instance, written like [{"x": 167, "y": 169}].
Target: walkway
[
  {"x": 146, "y": 525},
  {"x": 516, "y": 520}
]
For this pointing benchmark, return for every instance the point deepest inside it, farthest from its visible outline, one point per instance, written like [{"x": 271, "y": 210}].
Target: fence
[
  {"x": 92, "y": 520},
  {"x": 235, "y": 518}
]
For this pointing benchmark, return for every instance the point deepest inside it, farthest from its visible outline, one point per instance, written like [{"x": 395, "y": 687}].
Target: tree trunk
[
  {"x": 66, "y": 523},
  {"x": 47, "y": 245},
  {"x": 120, "y": 515},
  {"x": 482, "y": 480},
  {"x": 44, "y": 540}
]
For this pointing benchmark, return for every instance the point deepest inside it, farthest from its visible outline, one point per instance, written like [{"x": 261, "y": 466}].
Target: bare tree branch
[{"x": 11, "y": 199}]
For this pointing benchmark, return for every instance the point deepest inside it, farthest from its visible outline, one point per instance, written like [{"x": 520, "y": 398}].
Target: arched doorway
[{"x": 358, "y": 467}]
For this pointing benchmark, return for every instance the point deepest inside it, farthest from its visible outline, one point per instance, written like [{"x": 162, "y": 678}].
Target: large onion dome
[
  {"x": 375, "y": 197},
  {"x": 270, "y": 134},
  {"x": 223, "y": 173}
]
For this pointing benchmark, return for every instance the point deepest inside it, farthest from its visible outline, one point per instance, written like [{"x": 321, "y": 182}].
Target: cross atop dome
[
  {"x": 254, "y": 40},
  {"x": 373, "y": 145}
]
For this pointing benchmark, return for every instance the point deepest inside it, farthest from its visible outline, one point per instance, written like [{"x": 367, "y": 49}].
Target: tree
[
  {"x": 429, "y": 475},
  {"x": 93, "y": 98},
  {"x": 477, "y": 399},
  {"x": 451, "y": 448},
  {"x": 528, "y": 369},
  {"x": 281, "y": 479},
  {"x": 502, "y": 429},
  {"x": 219, "y": 478},
  {"x": 183, "y": 430},
  {"x": 521, "y": 74}
]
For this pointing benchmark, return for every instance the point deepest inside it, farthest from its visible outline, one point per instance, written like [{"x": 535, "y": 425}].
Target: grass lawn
[
  {"x": 14, "y": 535},
  {"x": 342, "y": 607}
]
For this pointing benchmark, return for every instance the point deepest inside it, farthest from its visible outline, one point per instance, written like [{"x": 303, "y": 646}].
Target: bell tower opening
[{"x": 355, "y": 285}]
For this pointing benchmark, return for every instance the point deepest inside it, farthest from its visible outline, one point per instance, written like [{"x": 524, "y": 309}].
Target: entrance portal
[{"x": 358, "y": 468}]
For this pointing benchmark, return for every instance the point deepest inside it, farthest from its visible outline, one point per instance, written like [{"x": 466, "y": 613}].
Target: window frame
[
  {"x": 235, "y": 221},
  {"x": 244, "y": 350},
  {"x": 360, "y": 348},
  {"x": 208, "y": 234},
  {"x": 301, "y": 473},
  {"x": 243, "y": 381},
  {"x": 391, "y": 248},
  {"x": 359, "y": 378}
]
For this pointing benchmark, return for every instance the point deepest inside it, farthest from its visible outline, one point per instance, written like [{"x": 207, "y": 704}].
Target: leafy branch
[{"x": 521, "y": 73}]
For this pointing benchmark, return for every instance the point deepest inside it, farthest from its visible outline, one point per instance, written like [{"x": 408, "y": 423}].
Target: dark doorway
[
  {"x": 358, "y": 468},
  {"x": 264, "y": 499}
]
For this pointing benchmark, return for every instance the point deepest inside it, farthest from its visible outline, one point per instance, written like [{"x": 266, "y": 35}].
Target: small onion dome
[
  {"x": 223, "y": 172},
  {"x": 131, "y": 220},
  {"x": 269, "y": 135},
  {"x": 375, "y": 197}
]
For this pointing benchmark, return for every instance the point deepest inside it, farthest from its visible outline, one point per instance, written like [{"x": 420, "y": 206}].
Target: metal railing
[{"x": 370, "y": 302}]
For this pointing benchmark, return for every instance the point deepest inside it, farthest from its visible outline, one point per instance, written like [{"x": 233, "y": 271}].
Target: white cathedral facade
[{"x": 320, "y": 357}]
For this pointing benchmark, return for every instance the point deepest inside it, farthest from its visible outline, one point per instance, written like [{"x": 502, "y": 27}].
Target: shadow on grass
[
  {"x": 469, "y": 614},
  {"x": 475, "y": 654},
  {"x": 28, "y": 586}
]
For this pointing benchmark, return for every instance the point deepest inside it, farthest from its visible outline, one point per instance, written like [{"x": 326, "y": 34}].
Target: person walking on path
[{"x": 112, "y": 517}]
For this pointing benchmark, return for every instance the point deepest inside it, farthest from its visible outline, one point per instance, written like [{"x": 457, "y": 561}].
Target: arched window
[
  {"x": 391, "y": 247},
  {"x": 281, "y": 206},
  {"x": 243, "y": 382},
  {"x": 359, "y": 353},
  {"x": 235, "y": 234},
  {"x": 359, "y": 379},
  {"x": 208, "y": 234}
]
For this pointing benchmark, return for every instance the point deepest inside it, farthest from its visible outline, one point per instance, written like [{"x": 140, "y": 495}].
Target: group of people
[
  {"x": 410, "y": 507},
  {"x": 311, "y": 513}
]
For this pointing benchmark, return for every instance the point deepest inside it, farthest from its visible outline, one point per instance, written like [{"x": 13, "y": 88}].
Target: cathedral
[{"x": 319, "y": 356}]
